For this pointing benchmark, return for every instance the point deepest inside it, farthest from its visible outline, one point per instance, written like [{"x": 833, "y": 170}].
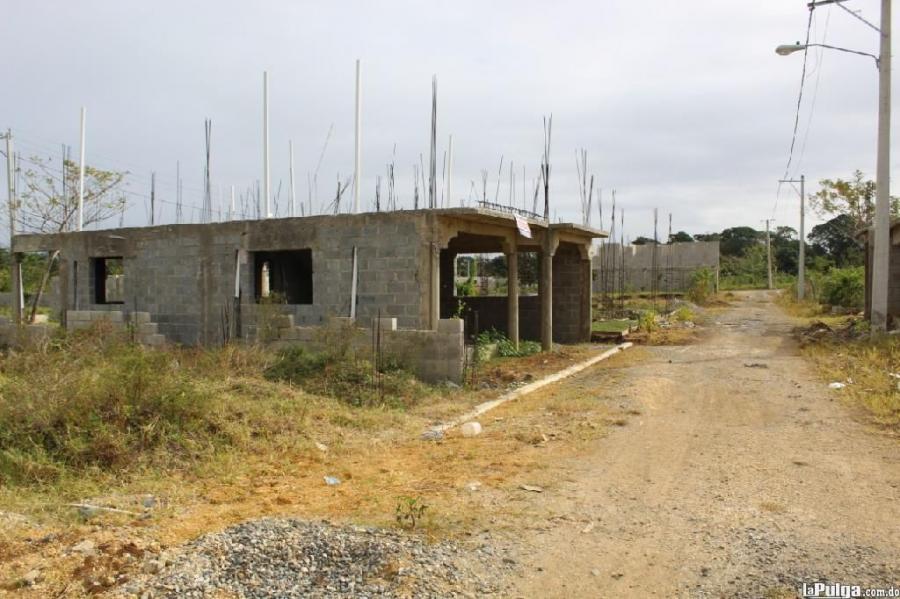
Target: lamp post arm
[{"x": 847, "y": 50}]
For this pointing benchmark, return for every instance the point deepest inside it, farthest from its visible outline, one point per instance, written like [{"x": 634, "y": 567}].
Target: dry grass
[
  {"x": 279, "y": 470},
  {"x": 868, "y": 364}
]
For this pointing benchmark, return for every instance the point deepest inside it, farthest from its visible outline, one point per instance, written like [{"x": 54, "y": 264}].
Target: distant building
[{"x": 893, "y": 274}]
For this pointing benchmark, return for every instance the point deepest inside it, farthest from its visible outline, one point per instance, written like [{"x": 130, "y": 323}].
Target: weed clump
[
  {"x": 347, "y": 377},
  {"x": 99, "y": 406}
]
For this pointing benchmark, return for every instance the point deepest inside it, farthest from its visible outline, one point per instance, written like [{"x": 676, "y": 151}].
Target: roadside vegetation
[{"x": 218, "y": 435}]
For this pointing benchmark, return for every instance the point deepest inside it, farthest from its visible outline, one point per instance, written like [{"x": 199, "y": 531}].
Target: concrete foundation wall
[{"x": 434, "y": 356}]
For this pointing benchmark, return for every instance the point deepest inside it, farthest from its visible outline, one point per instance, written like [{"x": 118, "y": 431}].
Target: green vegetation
[
  {"x": 346, "y": 377},
  {"x": 703, "y": 286},
  {"x": 844, "y": 287},
  {"x": 505, "y": 347},
  {"x": 88, "y": 405},
  {"x": 613, "y": 326}
]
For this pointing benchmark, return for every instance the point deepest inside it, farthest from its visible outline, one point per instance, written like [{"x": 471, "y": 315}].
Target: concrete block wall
[
  {"x": 434, "y": 356},
  {"x": 184, "y": 275},
  {"x": 24, "y": 336},
  {"x": 492, "y": 313},
  {"x": 568, "y": 285},
  {"x": 684, "y": 258},
  {"x": 145, "y": 332}
]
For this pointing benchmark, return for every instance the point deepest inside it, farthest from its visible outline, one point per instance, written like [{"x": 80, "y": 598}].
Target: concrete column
[
  {"x": 18, "y": 299},
  {"x": 546, "y": 290},
  {"x": 585, "y": 324},
  {"x": 434, "y": 296},
  {"x": 512, "y": 295}
]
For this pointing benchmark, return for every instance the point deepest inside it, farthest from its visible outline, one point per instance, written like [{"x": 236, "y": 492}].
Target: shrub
[
  {"x": 294, "y": 365},
  {"x": 343, "y": 375},
  {"x": 844, "y": 287},
  {"x": 683, "y": 314},
  {"x": 703, "y": 284},
  {"x": 647, "y": 321},
  {"x": 505, "y": 347}
]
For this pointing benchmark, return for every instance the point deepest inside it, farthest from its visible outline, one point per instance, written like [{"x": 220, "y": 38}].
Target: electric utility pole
[
  {"x": 801, "y": 265},
  {"x": 881, "y": 244},
  {"x": 11, "y": 185},
  {"x": 769, "y": 253}
]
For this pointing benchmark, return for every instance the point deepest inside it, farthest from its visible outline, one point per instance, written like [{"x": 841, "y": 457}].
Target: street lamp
[{"x": 880, "y": 244}]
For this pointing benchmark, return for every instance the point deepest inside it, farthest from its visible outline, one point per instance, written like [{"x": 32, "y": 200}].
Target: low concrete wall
[
  {"x": 145, "y": 332},
  {"x": 24, "y": 336},
  {"x": 433, "y": 356}
]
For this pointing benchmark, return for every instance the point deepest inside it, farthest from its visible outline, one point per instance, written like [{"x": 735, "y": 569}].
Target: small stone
[
  {"x": 152, "y": 567},
  {"x": 321, "y": 447},
  {"x": 471, "y": 429},
  {"x": 148, "y": 501},
  {"x": 31, "y": 578},
  {"x": 85, "y": 547},
  {"x": 433, "y": 435},
  {"x": 595, "y": 572}
]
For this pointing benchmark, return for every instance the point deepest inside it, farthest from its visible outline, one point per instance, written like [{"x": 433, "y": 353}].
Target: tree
[
  {"x": 680, "y": 237},
  {"x": 736, "y": 240},
  {"x": 836, "y": 239},
  {"x": 785, "y": 249},
  {"x": 49, "y": 204},
  {"x": 707, "y": 237},
  {"x": 643, "y": 241},
  {"x": 854, "y": 197}
]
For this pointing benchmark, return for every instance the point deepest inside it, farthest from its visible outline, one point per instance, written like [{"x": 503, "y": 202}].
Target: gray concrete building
[
  {"x": 893, "y": 274},
  {"x": 206, "y": 283}
]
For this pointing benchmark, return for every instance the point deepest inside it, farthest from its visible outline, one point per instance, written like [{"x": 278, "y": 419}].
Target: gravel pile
[{"x": 297, "y": 558}]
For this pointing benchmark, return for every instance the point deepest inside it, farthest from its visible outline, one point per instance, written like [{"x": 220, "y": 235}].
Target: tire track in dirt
[{"x": 742, "y": 476}]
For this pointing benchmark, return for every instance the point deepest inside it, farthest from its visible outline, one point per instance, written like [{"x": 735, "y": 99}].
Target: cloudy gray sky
[{"x": 681, "y": 104}]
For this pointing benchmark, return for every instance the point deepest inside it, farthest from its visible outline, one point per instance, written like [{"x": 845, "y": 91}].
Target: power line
[{"x": 787, "y": 167}]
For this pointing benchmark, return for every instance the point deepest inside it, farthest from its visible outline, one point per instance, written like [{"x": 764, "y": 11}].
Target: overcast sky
[{"x": 681, "y": 105}]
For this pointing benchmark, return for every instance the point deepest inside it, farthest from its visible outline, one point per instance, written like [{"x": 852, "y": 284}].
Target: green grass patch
[{"x": 613, "y": 326}]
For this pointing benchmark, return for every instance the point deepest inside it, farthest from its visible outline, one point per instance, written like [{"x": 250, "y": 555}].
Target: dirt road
[{"x": 741, "y": 476}]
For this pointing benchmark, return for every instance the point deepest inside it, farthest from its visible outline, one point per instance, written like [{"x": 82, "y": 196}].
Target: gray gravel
[{"x": 297, "y": 558}]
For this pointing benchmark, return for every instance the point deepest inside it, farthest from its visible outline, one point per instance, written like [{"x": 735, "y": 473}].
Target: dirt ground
[
  {"x": 741, "y": 475},
  {"x": 723, "y": 468}
]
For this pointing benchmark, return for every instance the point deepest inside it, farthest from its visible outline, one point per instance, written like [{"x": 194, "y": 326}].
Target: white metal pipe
[
  {"x": 267, "y": 182},
  {"x": 81, "y": 173},
  {"x": 291, "y": 152},
  {"x": 449, "y": 171},
  {"x": 10, "y": 187},
  {"x": 356, "y": 161}
]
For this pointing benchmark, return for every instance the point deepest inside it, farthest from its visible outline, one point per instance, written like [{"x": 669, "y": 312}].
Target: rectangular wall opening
[
  {"x": 485, "y": 275},
  {"x": 109, "y": 280},
  {"x": 284, "y": 276}
]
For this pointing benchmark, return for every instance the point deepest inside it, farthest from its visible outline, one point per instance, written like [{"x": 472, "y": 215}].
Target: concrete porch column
[
  {"x": 512, "y": 294},
  {"x": 586, "y": 307},
  {"x": 546, "y": 289}
]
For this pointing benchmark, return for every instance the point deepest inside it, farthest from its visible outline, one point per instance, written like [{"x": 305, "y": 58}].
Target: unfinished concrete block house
[
  {"x": 205, "y": 283},
  {"x": 893, "y": 273}
]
